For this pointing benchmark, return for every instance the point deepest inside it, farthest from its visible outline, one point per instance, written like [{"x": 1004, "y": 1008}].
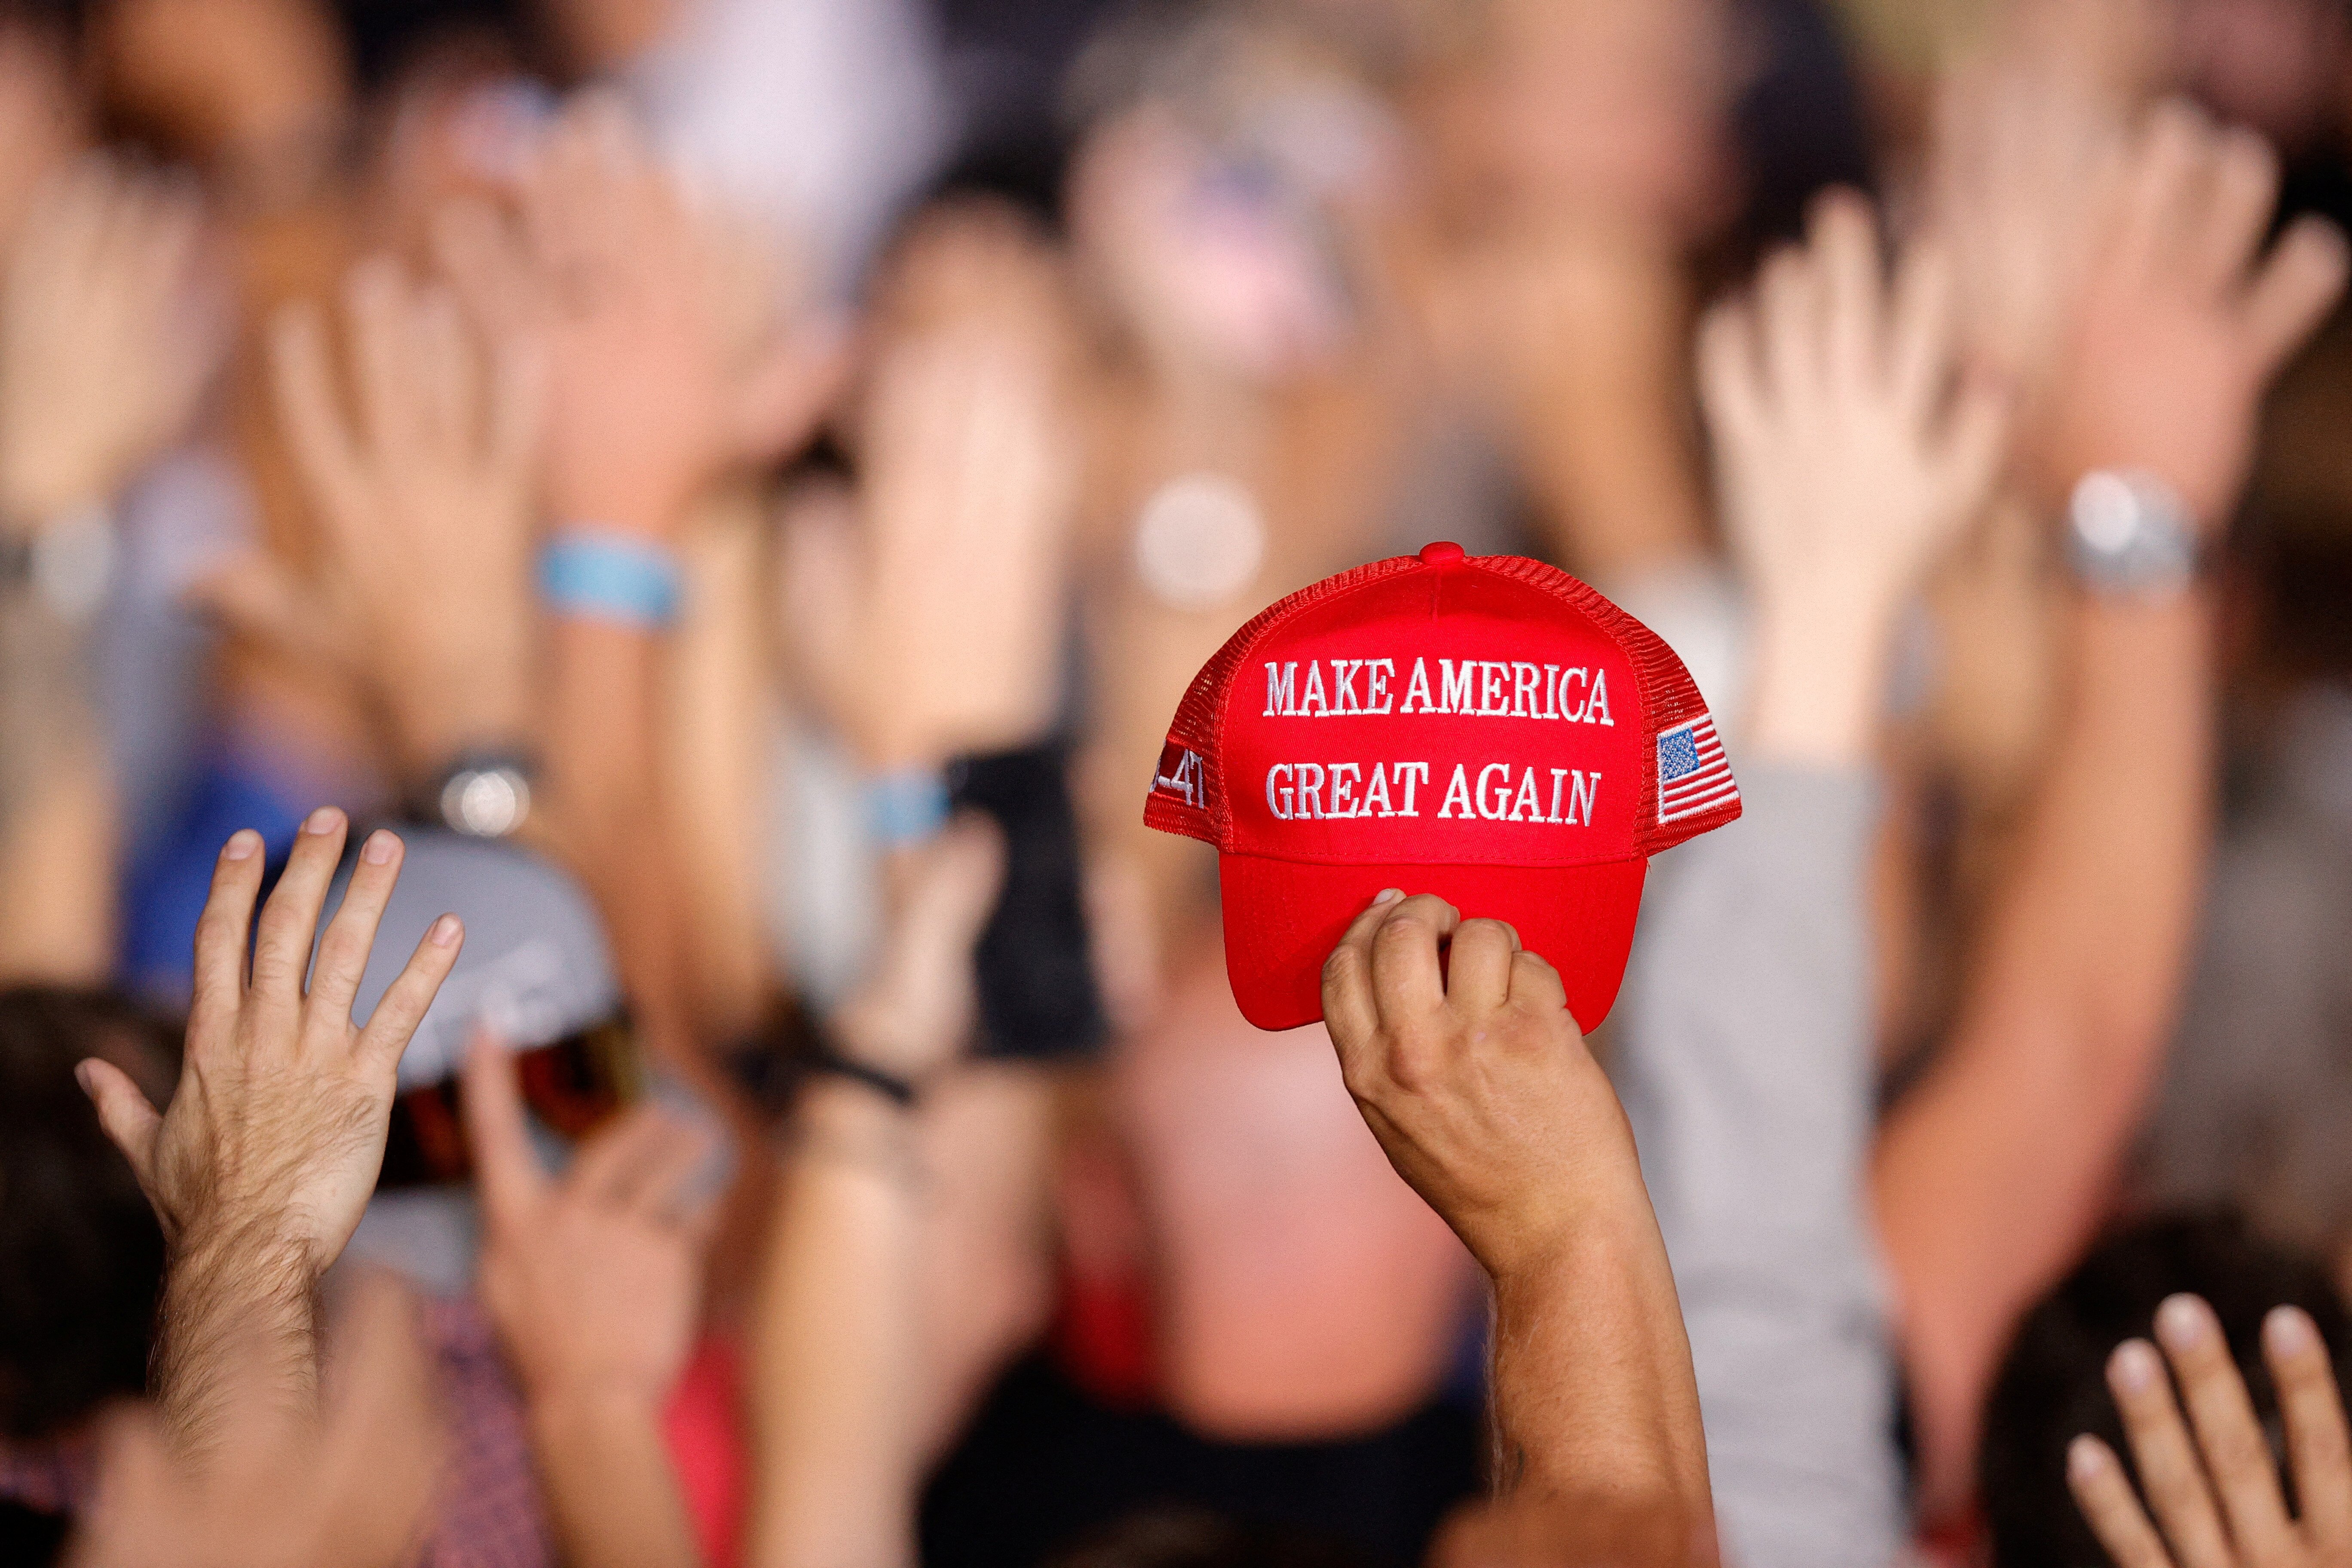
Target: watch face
[
  {"x": 2130, "y": 534},
  {"x": 2106, "y": 513},
  {"x": 485, "y": 802}
]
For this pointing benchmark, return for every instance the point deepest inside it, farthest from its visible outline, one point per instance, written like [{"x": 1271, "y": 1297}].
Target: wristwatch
[
  {"x": 2130, "y": 536},
  {"x": 482, "y": 795}
]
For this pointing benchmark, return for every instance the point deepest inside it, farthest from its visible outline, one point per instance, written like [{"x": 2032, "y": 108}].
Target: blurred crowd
[{"x": 723, "y": 497}]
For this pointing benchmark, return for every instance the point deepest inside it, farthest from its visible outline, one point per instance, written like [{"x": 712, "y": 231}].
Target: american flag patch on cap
[{"x": 1694, "y": 775}]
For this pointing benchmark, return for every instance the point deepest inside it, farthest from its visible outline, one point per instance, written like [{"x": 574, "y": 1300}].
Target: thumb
[{"x": 122, "y": 1110}]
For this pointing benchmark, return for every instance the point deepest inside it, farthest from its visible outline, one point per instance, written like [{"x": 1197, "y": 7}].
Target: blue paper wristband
[
  {"x": 905, "y": 807},
  {"x": 610, "y": 576}
]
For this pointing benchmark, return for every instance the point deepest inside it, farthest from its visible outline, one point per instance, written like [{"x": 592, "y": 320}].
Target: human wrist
[
  {"x": 1612, "y": 1229},
  {"x": 239, "y": 1242},
  {"x": 472, "y": 709},
  {"x": 611, "y": 574},
  {"x": 906, "y": 806},
  {"x": 1590, "y": 1195},
  {"x": 1818, "y": 675},
  {"x": 847, "y": 1127},
  {"x": 32, "y": 497},
  {"x": 588, "y": 1398}
]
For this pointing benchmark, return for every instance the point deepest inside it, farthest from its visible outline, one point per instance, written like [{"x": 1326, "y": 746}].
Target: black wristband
[{"x": 900, "y": 1092}]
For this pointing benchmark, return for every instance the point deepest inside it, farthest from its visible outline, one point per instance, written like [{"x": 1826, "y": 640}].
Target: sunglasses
[{"x": 572, "y": 1086}]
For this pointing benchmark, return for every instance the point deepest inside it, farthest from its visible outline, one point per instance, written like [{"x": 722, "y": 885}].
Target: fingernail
[
  {"x": 81, "y": 1077},
  {"x": 322, "y": 820},
  {"x": 1387, "y": 896},
  {"x": 2180, "y": 1322},
  {"x": 2288, "y": 1330},
  {"x": 379, "y": 847},
  {"x": 2086, "y": 1457},
  {"x": 2134, "y": 1366},
  {"x": 241, "y": 845},
  {"x": 446, "y": 930}
]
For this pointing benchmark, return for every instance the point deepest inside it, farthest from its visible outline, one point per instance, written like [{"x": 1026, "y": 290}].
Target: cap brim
[{"x": 1283, "y": 918}]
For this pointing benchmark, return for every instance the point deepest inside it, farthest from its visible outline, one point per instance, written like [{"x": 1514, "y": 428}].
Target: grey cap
[{"x": 535, "y": 966}]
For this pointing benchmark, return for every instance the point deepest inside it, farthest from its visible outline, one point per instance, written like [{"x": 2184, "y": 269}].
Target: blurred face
[
  {"x": 1227, "y": 256},
  {"x": 226, "y": 76},
  {"x": 1584, "y": 104},
  {"x": 40, "y": 118}
]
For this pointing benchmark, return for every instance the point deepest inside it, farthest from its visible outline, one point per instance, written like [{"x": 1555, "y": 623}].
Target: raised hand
[
  {"x": 2210, "y": 1481},
  {"x": 259, "y": 1168},
  {"x": 276, "y": 1134},
  {"x": 596, "y": 1284},
  {"x": 1477, "y": 1084},
  {"x": 667, "y": 362},
  {"x": 2183, "y": 318},
  {"x": 2028, "y": 141},
  {"x": 425, "y": 498},
  {"x": 107, "y": 336},
  {"x": 1846, "y": 458},
  {"x": 595, "y": 1281},
  {"x": 1475, "y": 1080},
  {"x": 932, "y": 625}
]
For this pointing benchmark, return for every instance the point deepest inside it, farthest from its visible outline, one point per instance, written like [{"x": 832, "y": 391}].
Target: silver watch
[
  {"x": 482, "y": 795},
  {"x": 2130, "y": 536}
]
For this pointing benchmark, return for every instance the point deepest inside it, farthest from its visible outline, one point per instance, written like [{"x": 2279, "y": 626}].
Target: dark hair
[
  {"x": 2052, "y": 1383},
  {"x": 81, "y": 1259}
]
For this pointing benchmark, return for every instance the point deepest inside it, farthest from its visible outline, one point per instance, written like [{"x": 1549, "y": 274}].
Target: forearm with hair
[
  {"x": 239, "y": 1316},
  {"x": 1993, "y": 1173},
  {"x": 1593, "y": 1398}
]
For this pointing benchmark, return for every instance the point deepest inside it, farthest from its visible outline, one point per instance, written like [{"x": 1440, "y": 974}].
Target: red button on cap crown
[{"x": 1445, "y": 552}]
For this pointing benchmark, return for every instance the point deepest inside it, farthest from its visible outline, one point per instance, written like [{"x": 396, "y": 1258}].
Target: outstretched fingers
[
  {"x": 223, "y": 931},
  {"x": 2317, "y": 1442},
  {"x": 402, "y": 1008},
  {"x": 2166, "y": 1456},
  {"x": 2236, "y": 1452},
  {"x": 351, "y": 935},
  {"x": 2105, "y": 1495},
  {"x": 281, "y": 951}
]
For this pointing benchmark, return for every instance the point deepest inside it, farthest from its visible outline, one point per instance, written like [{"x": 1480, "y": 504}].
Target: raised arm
[
  {"x": 105, "y": 341},
  {"x": 665, "y": 373},
  {"x": 259, "y": 1167},
  {"x": 1478, "y": 1086},
  {"x": 1992, "y": 1171},
  {"x": 1847, "y": 457},
  {"x": 849, "y": 1365},
  {"x": 594, "y": 1283}
]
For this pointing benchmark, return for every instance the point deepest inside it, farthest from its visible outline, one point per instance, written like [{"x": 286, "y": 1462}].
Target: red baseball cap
[{"x": 1484, "y": 728}]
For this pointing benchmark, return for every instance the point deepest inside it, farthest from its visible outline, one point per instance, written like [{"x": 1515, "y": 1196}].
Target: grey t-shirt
[{"x": 1743, "y": 1060}]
